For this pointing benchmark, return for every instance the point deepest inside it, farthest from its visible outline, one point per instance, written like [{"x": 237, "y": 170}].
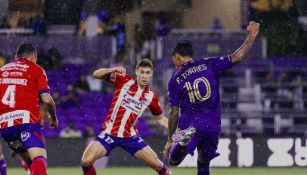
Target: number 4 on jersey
[{"x": 9, "y": 96}]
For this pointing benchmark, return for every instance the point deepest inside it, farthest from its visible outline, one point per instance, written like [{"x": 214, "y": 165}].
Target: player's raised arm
[
  {"x": 103, "y": 73},
  {"x": 239, "y": 54},
  {"x": 51, "y": 108}
]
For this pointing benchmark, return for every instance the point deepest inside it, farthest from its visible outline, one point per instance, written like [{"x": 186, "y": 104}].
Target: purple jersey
[{"x": 194, "y": 88}]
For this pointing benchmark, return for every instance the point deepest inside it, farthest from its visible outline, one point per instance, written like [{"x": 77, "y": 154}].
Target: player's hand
[
  {"x": 54, "y": 123},
  {"x": 167, "y": 148},
  {"x": 253, "y": 29},
  {"x": 120, "y": 70}
]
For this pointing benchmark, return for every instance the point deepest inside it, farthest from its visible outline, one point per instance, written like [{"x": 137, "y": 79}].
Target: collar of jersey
[{"x": 186, "y": 63}]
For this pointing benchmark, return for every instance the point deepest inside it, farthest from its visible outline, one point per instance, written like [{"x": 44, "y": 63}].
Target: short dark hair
[
  {"x": 144, "y": 63},
  {"x": 25, "y": 49},
  {"x": 183, "y": 48}
]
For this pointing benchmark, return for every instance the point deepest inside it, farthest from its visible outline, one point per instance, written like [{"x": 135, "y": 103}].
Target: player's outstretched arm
[
  {"x": 240, "y": 54},
  {"x": 103, "y": 73},
  {"x": 162, "y": 121},
  {"x": 51, "y": 108}
]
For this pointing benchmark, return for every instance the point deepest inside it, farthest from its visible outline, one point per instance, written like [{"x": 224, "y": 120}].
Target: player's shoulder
[{"x": 150, "y": 92}]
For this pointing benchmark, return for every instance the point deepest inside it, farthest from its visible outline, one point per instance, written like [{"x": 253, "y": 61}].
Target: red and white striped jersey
[{"x": 128, "y": 104}]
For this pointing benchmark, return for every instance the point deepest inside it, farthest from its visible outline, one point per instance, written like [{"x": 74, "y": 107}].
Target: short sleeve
[
  {"x": 42, "y": 79},
  {"x": 220, "y": 64},
  {"x": 154, "y": 106},
  {"x": 173, "y": 96},
  {"x": 119, "y": 79}
]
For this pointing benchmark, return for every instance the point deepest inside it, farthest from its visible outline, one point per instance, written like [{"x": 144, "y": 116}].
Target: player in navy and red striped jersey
[
  {"x": 131, "y": 98},
  {"x": 22, "y": 82}
]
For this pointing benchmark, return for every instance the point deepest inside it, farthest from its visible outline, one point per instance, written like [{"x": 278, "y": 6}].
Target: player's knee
[{"x": 86, "y": 160}]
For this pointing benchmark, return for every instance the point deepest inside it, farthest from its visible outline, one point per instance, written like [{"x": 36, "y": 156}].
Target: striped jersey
[
  {"x": 21, "y": 82},
  {"x": 128, "y": 104}
]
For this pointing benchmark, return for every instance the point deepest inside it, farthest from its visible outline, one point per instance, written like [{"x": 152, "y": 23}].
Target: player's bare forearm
[
  {"x": 240, "y": 54},
  {"x": 172, "y": 121},
  {"x": 50, "y": 104},
  {"x": 103, "y": 73},
  {"x": 162, "y": 121}
]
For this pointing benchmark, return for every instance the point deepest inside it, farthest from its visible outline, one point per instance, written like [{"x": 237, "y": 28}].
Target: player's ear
[{"x": 136, "y": 71}]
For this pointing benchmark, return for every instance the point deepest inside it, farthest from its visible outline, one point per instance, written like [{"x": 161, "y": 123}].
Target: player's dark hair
[
  {"x": 25, "y": 49},
  {"x": 183, "y": 48},
  {"x": 144, "y": 63}
]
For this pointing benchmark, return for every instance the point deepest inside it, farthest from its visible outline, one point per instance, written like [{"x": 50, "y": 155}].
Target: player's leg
[
  {"x": 92, "y": 152},
  {"x": 202, "y": 166},
  {"x": 2, "y": 162},
  {"x": 150, "y": 157},
  {"x": 33, "y": 141},
  {"x": 206, "y": 152},
  {"x": 25, "y": 161},
  {"x": 184, "y": 143},
  {"x": 98, "y": 148}
]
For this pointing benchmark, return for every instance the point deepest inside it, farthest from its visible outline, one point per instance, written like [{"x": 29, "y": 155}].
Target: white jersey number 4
[{"x": 9, "y": 96}]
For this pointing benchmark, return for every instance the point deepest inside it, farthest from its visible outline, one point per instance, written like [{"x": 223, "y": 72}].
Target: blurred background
[{"x": 264, "y": 99}]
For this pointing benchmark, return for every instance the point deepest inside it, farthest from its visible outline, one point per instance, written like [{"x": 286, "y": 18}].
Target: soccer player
[
  {"x": 2, "y": 162},
  {"x": 22, "y": 82},
  {"x": 131, "y": 98},
  {"x": 194, "y": 91}
]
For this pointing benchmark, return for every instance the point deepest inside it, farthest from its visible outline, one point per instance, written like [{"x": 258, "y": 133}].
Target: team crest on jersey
[
  {"x": 25, "y": 136},
  {"x": 5, "y": 74}
]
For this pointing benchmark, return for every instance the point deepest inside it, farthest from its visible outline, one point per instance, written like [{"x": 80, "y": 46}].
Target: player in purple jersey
[{"x": 194, "y": 91}]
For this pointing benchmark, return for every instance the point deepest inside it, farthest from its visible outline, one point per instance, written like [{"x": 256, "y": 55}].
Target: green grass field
[{"x": 176, "y": 171}]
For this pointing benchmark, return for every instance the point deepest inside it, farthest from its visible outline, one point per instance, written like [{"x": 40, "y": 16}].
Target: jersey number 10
[
  {"x": 9, "y": 96},
  {"x": 194, "y": 91}
]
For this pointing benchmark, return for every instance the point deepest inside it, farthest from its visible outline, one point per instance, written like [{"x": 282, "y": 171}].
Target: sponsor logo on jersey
[
  {"x": 133, "y": 100},
  {"x": 25, "y": 136}
]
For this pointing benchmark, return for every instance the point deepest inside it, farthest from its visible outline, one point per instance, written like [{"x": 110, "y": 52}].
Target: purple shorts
[
  {"x": 206, "y": 144},
  {"x": 131, "y": 144},
  {"x": 22, "y": 137}
]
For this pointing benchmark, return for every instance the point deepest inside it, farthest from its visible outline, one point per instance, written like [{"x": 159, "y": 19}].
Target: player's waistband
[{"x": 14, "y": 118}]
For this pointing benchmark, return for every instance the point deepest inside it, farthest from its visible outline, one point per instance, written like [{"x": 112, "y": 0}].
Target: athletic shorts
[
  {"x": 22, "y": 137},
  {"x": 206, "y": 144},
  {"x": 131, "y": 144}
]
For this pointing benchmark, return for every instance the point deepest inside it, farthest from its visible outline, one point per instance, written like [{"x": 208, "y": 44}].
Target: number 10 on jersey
[{"x": 193, "y": 91}]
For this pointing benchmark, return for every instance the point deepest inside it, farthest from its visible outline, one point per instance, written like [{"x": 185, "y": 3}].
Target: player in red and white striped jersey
[{"x": 131, "y": 98}]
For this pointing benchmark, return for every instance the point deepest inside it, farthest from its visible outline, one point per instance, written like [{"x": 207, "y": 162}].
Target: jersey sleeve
[
  {"x": 173, "y": 96},
  {"x": 42, "y": 80},
  {"x": 118, "y": 79},
  {"x": 154, "y": 106},
  {"x": 220, "y": 64}
]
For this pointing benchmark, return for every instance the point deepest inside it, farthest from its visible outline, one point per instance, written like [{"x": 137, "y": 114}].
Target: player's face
[{"x": 143, "y": 75}]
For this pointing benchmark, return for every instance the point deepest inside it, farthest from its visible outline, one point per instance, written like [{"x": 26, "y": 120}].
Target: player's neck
[{"x": 185, "y": 60}]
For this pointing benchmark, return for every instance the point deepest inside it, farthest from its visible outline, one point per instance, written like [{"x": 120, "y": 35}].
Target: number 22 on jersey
[
  {"x": 193, "y": 91},
  {"x": 9, "y": 96}
]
